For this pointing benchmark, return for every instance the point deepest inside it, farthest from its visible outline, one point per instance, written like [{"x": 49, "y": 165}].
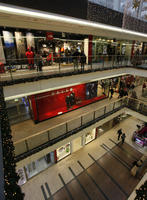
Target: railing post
[
  {"x": 27, "y": 146},
  {"x": 94, "y": 115},
  {"x": 113, "y": 105},
  {"x": 11, "y": 73},
  {"x": 103, "y": 62},
  {"x": 105, "y": 110},
  {"x": 48, "y": 135},
  {"x": 59, "y": 64},
  {"x": 66, "y": 127}
]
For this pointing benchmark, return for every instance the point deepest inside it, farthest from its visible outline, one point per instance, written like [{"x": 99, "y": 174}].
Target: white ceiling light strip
[{"x": 4, "y": 8}]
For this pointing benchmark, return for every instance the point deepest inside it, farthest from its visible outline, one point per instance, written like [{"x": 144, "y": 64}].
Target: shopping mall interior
[{"x": 73, "y": 100}]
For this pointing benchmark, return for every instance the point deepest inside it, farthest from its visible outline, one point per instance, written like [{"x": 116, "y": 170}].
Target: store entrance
[{"x": 39, "y": 165}]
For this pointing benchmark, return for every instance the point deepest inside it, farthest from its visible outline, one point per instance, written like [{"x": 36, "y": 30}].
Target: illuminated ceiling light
[{"x": 5, "y": 8}]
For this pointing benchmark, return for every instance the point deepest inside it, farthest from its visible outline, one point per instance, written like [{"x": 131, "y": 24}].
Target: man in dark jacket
[
  {"x": 119, "y": 132},
  {"x": 82, "y": 60},
  {"x": 123, "y": 137},
  {"x": 75, "y": 58},
  {"x": 67, "y": 99},
  {"x": 111, "y": 92},
  {"x": 39, "y": 61}
]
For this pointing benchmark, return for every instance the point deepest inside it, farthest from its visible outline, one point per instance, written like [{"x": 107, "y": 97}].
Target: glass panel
[
  {"x": 99, "y": 112},
  {"x": 20, "y": 148},
  {"x": 117, "y": 104},
  {"x": 18, "y": 110},
  {"x": 37, "y": 140},
  {"x": 109, "y": 107}
]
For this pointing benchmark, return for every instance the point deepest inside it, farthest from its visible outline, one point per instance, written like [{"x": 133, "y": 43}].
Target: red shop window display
[{"x": 56, "y": 102}]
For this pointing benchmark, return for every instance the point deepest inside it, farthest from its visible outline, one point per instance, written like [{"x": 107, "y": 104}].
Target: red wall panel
[{"x": 52, "y": 103}]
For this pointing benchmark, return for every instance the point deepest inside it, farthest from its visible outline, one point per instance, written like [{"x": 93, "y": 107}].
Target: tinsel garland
[
  {"x": 141, "y": 193},
  {"x": 11, "y": 188}
]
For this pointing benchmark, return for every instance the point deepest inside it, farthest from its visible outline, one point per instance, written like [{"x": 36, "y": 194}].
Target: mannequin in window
[{"x": 30, "y": 57}]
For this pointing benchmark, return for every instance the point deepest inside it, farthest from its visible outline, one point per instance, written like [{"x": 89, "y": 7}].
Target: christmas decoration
[
  {"x": 136, "y": 4},
  {"x": 141, "y": 193},
  {"x": 11, "y": 190}
]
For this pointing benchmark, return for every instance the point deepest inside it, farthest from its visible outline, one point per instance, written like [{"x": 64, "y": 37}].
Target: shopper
[
  {"x": 67, "y": 101},
  {"x": 123, "y": 138},
  {"x": 39, "y": 62},
  {"x": 82, "y": 60},
  {"x": 72, "y": 98},
  {"x": 143, "y": 87},
  {"x": 121, "y": 93},
  {"x": 49, "y": 59},
  {"x": 76, "y": 55},
  {"x": 119, "y": 132},
  {"x": 125, "y": 92},
  {"x": 111, "y": 92}
]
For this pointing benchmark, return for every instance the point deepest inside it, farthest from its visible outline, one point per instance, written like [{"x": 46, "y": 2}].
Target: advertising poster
[
  {"x": 20, "y": 44},
  {"x": 2, "y": 56},
  {"x": 21, "y": 174},
  {"x": 91, "y": 90},
  {"x": 9, "y": 45}
]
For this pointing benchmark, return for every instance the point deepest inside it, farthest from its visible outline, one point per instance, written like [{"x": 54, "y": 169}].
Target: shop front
[
  {"x": 35, "y": 167},
  {"x": 108, "y": 49},
  {"x": 63, "y": 151},
  {"x": 39, "y": 165},
  {"x": 90, "y": 136},
  {"x": 18, "y": 110},
  {"x": 56, "y": 102},
  {"x": 20, "y": 49},
  {"x": 110, "y": 124}
]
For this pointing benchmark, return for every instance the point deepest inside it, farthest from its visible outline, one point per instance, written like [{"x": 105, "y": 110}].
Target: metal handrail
[{"x": 41, "y": 132}]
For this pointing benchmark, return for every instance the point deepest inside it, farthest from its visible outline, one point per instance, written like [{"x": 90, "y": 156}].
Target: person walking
[
  {"x": 39, "y": 61},
  {"x": 67, "y": 100},
  {"x": 111, "y": 92},
  {"x": 75, "y": 56},
  {"x": 82, "y": 60},
  {"x": 123, "y": 138},
  {"x": 119, "y": 132}
]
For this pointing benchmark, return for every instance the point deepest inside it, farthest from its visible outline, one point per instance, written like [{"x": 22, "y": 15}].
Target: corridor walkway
[{"x": 99, "y": 170}]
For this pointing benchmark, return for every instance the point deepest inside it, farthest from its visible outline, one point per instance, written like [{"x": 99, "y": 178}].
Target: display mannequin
[{"x": 30, "y": 57}]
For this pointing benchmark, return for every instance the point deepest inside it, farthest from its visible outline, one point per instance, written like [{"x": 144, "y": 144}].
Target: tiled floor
[{"x": 50, "y": 176}]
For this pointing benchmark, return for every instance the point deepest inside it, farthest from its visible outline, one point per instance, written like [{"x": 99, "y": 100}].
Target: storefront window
[
  {"x": 39, "y": 165},
  {"x": 64, "y": 100},
  {"x": 18, "y": 110},
  {"x": 90, "y": 136},
  {"x": 103, "y": 87},
  {"x": 110, "y": 124},
  {"x": 63, "y": 151}
]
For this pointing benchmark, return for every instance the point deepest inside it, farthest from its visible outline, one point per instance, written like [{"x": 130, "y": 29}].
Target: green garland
[{"x": 11, "y": 189}]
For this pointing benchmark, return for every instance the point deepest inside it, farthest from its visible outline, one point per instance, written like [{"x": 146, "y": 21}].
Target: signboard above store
[{"x": 49, "y": 36}]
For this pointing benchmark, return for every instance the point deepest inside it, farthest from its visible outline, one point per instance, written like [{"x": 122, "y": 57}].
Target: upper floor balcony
[{"x": 40, "y": 68}]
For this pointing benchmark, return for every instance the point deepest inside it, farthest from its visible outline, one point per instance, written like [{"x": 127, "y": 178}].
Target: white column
[{"x": 86, "y": 48}]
